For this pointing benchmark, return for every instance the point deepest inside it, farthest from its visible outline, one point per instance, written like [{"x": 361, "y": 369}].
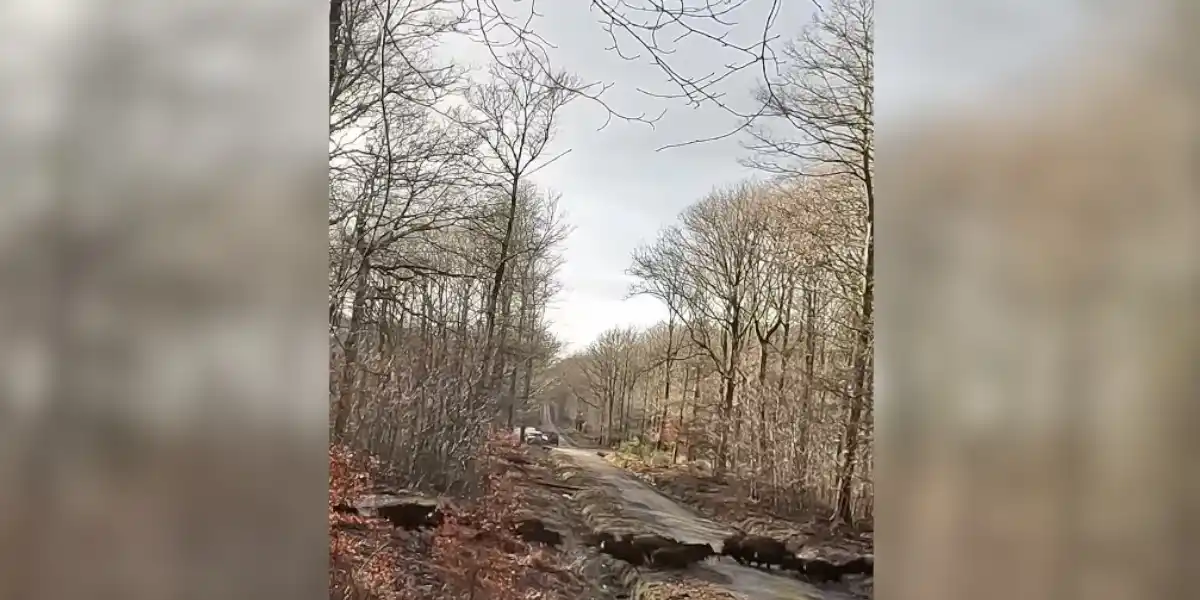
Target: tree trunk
[
  {"x": 810, "y": 345},
  {"x": 500, "y": 359},
  {"x": 730, "y": 393},
  {"x": 762, "y": 404},
  {"x": 662, "y": 423},
  {"x": 810, "y": 373},
  {"x": 859, "y": 383},
  {"x": 679, "y": 437},
  {"x": 441, "y": 349},
  {"x": 464, "y": 333},
  {"x": 525, "y": 393},
  {"x": 522, "y": 325},
  {"x": 493, "y": 298},
  {"x": 511, "y": 399},
  {"x": 349, "y": 377},
  {"x": 335, "y": 26},
  {"x": 695, "y": 407},
  {"x": 762, "y": 361},
  {"x": 784, "y": 348},
  {"x": 724, "y": 461},
  {"x": 610, "y": 414},
  {"x": 624, "y": 401},
  {"x": 641, "y": 431}
]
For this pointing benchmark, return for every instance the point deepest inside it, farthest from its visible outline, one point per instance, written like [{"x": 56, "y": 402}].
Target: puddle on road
[{"x": 666, "y": 517}]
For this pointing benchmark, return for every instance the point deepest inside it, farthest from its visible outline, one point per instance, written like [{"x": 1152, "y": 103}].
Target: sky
[{"x": 617, "y": 190}]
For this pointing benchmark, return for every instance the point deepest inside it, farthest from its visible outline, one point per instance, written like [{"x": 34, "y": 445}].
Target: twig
[{"x": 557, "y": 486}]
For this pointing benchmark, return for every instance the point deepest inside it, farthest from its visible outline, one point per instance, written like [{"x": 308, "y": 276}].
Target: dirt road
[{"x": 659, "y": 514}]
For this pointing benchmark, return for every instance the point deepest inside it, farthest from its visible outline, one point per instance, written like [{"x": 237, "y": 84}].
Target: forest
[{"x": 445, "y": 253}]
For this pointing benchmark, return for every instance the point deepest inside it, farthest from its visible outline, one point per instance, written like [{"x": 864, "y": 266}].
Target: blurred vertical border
[
  {"x": 1038, "y": 292},
  {"x": 162, "y": 323}
]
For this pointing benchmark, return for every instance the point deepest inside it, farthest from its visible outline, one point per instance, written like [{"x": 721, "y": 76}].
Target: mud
[{"x": 618, "y": 502}]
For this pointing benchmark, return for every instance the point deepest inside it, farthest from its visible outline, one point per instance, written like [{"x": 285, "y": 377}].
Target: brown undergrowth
[{"x": 473, "y": 554}]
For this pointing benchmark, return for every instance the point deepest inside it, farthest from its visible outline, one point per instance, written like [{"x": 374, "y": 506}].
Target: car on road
[{"x": 538, "y": 437}]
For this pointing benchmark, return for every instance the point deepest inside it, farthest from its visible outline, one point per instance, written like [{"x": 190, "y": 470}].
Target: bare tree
[
  {"x": 779, "y": 260},
  {"x": 411, "y": 276},
  {"x": 716, "y": 253},
  {"x": 444, "y": 254},
  {"x": 820, "y": 123},
  {"x": 819, "y": 115},
  {"x": 513, "y": 118},
  {"x": 742, "y": 33},
  {"x": 537, "y": 233},
  {"x": 605, "y": 366},
  {"x": 382, "y": 48},
  {"x": 397, "y": 173}
]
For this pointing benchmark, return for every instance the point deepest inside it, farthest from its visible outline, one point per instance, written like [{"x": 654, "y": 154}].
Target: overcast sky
[{"x": 618, "y": 191}]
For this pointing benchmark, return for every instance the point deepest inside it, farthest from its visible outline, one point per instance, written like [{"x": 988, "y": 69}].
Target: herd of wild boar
[
  {"x": 639, "y": 550},
  {"x": 657, "y": 551}
]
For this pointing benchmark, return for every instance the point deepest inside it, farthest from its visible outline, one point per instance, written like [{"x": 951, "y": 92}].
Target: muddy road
[{"x": 652, "y": 512}]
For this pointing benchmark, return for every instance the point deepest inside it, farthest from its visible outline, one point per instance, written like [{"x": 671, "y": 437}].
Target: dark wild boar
[
  {"x": 534, "y": 530},
  {"x": 647, "y": 543},
  {"x": 345, "y": 509},
  {"x": 411, "y": 515},
  {"x": 596, "y": 538},
  {"x": 624, "y": 550},
  {"x": 680, "y": 556},
  {"x": 791, "y": 562},
  {"x": 732, "y": 547},
  {"x": 821, "y": 570},
  {"x": 861, "y": 565},
  {"x": 762, "y": 550}
]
